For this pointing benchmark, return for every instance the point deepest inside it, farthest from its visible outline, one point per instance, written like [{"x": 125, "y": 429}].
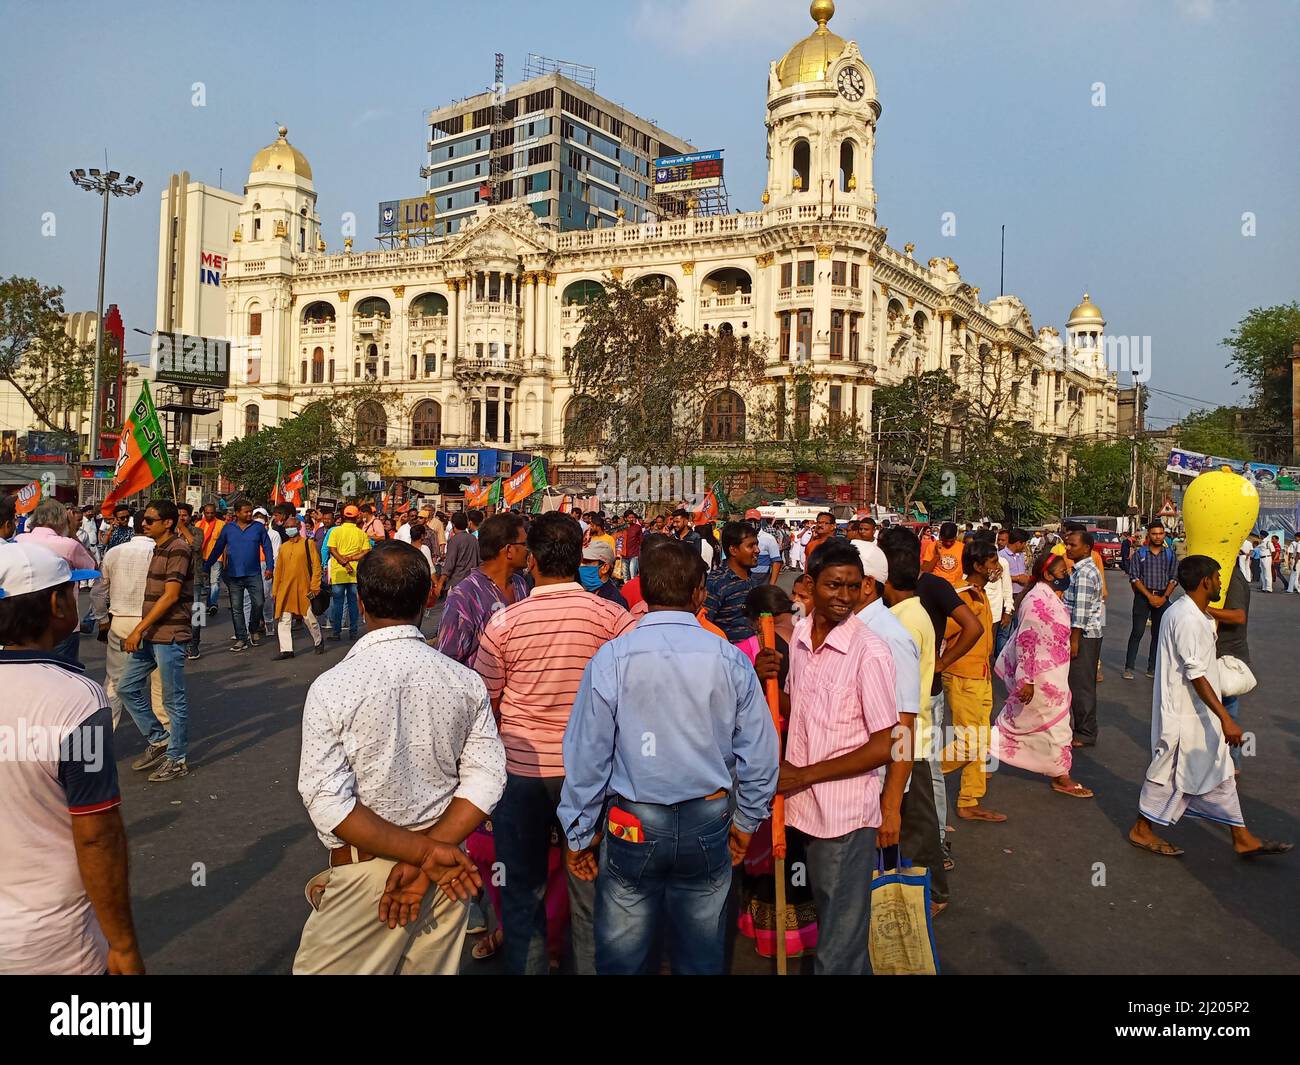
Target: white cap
[
  {"x": 874, "y": 563},
  {"x": 26, "y": 568},
  {"x": 262, "y": 511}
]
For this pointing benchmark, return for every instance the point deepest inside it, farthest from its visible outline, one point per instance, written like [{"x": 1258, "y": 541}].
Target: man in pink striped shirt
[
  {"x": 843, "y": 715},
  {"x": 531, "y": 657}
]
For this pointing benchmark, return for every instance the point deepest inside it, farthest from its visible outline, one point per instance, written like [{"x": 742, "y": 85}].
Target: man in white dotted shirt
[{"x": 400, "y": 762}]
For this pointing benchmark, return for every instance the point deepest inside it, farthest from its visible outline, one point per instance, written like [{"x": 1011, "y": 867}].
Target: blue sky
[{"x": 988, "y": 113}]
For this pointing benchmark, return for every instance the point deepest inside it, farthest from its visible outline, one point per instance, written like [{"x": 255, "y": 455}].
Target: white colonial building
[{"x": 471, "y": 329}]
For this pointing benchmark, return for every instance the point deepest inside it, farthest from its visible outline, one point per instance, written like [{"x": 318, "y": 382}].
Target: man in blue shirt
[
  {"x": 249, "y": 555},
  {"x": 1153, "y": 572},
  {"x": 667, "y": 717},
  {"x": 729, "y": 586}
]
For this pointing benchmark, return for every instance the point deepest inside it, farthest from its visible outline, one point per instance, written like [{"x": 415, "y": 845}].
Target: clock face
[{"x": 851, "y": 84}]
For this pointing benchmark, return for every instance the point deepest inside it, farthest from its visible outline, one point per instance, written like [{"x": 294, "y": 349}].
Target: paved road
[{"x": 220, "y": 858}]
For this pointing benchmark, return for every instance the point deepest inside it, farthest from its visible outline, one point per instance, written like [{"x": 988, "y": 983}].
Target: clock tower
[{"x": 821, "y": 122}]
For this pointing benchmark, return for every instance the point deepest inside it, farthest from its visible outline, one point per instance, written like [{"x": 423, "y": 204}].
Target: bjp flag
[
  {"x": 709, "y": 508},
  {"x": 141, "y": 452},
  {"x": 28, "y": 498},
  {"x": 294, "y": 486},
  {"x": 519, "y": 486}
]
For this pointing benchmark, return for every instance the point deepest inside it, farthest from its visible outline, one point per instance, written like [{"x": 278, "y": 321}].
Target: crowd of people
[{"x": 581, "y": 761}]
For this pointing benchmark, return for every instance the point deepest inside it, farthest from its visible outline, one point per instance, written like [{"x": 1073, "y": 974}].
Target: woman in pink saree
[{"x": 1033, "y": 731}]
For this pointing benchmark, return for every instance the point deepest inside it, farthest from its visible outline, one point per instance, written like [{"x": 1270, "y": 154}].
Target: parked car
[{"x": 1107, "y": 544}]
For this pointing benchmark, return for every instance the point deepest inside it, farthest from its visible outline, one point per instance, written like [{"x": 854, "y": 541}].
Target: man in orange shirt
[
  {"x": 211, "y": 525},
  {"x": 946, "y": 558},
  {"x": 822, "y": 531}
]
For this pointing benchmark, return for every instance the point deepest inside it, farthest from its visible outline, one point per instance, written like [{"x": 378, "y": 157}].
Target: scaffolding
[
  {"x": 496, "y": 160},
  {"x": 537, "y": 66}
]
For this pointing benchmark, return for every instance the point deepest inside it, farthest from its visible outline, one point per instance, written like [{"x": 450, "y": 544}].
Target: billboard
[
  {"x": 45, "y": 446},
  {"x": 472, "y": 462},
  {"x": 110, "y": 385},
  {"x": 406, "y": 216},
  {"x": 181, "y": 359},
  {"x": 699, "y": 170}
]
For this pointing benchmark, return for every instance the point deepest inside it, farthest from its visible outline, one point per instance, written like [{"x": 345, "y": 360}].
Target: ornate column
[
  {"x": 545, "y": 280},
  {"x": 399, "y": 336},
  {"x": 821, "y": 345},
  {"x": 690, "y": 298},
  {"x": 530, "y": 316},
  {"x": 453, "y": 318}
]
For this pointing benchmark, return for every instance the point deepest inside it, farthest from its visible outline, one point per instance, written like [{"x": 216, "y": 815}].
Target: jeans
[
  {"x": 169, "y": 660},
  {"x": 1001, "y": 634},
  {"x": 1230, "y": 704},
  {"x": 839, "y": 873},
  {"x": 631, "y": 567},
  {"x": 1083, "y": 690},
  {"x": 199, "y": 617},
  {"x": 1141, "y": 611},
  {"x": 341, "y": 594},
  {"x": 238, "y": 588},
  {"x": 937, "y": 784},
  {"x": 678, "y": 878},
  {"x": 521, "y": 828},
  {"x": 920, "y": 833},
  {"x": 214, "y": 583}
]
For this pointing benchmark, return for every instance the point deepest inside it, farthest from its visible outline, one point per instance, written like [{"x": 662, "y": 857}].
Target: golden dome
[
  {"x": 1087, "y": 311},
  {"x": 282, "y": 156},
  {"x": 811, "y": 58}
]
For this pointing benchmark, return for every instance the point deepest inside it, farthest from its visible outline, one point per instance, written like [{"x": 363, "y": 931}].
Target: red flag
[
  {"x": 293, "y": 487},
  {"x": 28, "y": 498}
]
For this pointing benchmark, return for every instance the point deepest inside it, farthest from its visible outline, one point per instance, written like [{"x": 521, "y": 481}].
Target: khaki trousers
[
  {"x": 344, "y": 937},
  {"x": 115, "y": 661}
]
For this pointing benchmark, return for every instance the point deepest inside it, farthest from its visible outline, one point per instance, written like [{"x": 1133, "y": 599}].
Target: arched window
[
  {"x": 800, "y": 160},
  {"x": 372, "y": 307},
  {"x": 251, "y": 418},
  {"x": 654, "y": 284},
  {"x": 582, "y": 292},
  {"x": 372, "y": 427},
  {"x": 579, "y": 430},
  {"x": 729, "y": 281},
  {"x": 895, "y": 313},
  {"x": 724, "y": 417},
  {"x": 428, "y": 305},
  {"x": 848, "y": 182},
  {"x": 317, "y": 312},
  {"x": 918, "y": 325},
  {"x": 318, "y": 366},
  {"x": 426, "y": 424}
]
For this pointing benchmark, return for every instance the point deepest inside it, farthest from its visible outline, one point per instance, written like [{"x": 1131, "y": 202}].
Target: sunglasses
[{"x": 146, "y": 520}]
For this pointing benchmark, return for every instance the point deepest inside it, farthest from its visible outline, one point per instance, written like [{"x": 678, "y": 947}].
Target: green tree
[
  {"x": 1214, "y": 432},
  {"x": 1100, "y": 477},
  {"x": 324, "y": 436},
  {"x": 1260, "y": 349},
  {"x": 641, "y": 380},
  {"x": 914, "y": 419},
  {"x": 51, "y": 371}
]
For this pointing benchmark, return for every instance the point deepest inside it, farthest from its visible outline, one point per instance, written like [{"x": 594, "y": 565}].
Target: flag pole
[{"x": 767, "y": 632}]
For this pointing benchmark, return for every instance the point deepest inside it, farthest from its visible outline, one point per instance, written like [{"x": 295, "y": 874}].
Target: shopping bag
[{"x": 902, "y": 939}]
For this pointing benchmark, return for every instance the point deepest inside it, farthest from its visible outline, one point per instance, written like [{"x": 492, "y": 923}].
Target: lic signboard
[{"x": 406, "y": 216}]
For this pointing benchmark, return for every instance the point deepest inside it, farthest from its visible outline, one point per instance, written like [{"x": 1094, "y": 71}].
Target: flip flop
[
  {"x": 1164, "y": 850},
  {"x": 1078, "y": 791},
  {"x": 989, "y": 816},
  {"x": 1267, "y": 846}
]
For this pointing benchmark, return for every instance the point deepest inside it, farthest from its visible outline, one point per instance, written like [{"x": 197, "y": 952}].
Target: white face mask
[{"x": 291, "y": 532}]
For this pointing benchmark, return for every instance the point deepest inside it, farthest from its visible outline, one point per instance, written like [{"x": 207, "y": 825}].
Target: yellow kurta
[{"x": 294, "y": 585}]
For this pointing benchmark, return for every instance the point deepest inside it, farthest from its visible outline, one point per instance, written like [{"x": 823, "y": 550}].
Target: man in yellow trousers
[{"x": 968, "y": 685}]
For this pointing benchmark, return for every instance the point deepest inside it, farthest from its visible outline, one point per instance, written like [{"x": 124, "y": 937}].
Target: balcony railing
[
  {"x": 319, "y": 329},
  {"x": 428, "y": 325},
  {"x": 375, "y": 324},
  {"x": 738, "y": 299}
]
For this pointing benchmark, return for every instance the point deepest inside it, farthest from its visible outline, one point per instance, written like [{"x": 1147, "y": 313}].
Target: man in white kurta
[{"x": 1191, "y": 769}]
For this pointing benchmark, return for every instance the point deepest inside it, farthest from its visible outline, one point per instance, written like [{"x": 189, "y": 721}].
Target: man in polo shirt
[
  {"x": 348, "y": 544},
  {"x": 840, "y": 701},
  {"x": 768, "y": 568},
  {"x": 244, "y": 543},
  {"x": 65, "y": 904},
  {"x": 1153, "y": 571},
  {"x": 160, "y": 641},
  {"x": 730, "y": 584},
  {"x": 531, "y": 657}
]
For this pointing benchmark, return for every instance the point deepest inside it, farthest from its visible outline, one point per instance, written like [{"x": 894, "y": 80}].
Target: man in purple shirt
[{"x": 494, "y": 585}]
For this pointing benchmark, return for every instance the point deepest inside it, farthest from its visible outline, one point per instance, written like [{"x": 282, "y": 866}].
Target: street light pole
[{"x": 103, "y": 184}]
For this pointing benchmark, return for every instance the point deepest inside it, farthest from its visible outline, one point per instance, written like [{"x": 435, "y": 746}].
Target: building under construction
[{"x": 578, "y": 160}]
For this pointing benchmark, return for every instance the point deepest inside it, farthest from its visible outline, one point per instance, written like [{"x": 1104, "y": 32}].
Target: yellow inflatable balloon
[{"x": 1219, "y": 512}]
